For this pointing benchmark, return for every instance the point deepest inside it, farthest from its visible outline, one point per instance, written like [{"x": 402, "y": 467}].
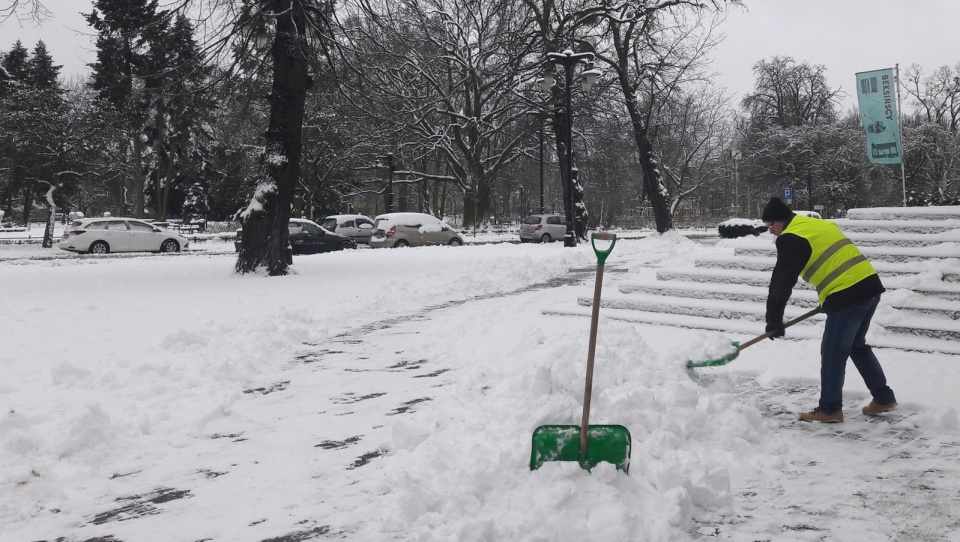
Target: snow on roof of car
[
  {"x": 409, "y": 219},
  {"x": 346, "y": 216}
]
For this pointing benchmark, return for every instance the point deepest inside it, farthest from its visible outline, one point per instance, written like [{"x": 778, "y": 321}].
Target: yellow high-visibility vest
[{"x": 835, "y": 262}]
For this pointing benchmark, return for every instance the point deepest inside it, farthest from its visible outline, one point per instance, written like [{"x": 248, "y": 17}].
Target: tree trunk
[
  {"x": 652, "y": 181},
  {"x": 264, "y": 239},
  {"x": 48, "y": 231},
  {"x": 27, "y": 201},
  {"x": 649, "y": 165}
]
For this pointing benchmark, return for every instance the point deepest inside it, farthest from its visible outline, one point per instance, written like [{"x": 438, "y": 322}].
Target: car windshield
[
  {"x": 330, "y": 224},
  {"x": 531, "y": 220}
]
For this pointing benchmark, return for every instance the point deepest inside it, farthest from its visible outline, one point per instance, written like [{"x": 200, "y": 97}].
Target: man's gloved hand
[{"x": 777, "y": 329}]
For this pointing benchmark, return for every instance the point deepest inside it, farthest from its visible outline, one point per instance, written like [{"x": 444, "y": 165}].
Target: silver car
[
  {"x": 357, "y": 227},
  {"x": 104, "y": 235},
  {"x": 412, "y": 230},
  {"x": 542, "y": 228}
]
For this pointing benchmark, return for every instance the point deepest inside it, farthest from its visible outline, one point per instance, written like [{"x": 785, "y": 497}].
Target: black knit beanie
[{"x": 776, "y": 211}]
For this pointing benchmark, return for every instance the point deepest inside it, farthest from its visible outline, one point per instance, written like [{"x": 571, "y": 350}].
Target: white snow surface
[{"x": 392, "y": 394}]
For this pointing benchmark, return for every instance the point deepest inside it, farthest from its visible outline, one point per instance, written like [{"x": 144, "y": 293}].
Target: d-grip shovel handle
[
  {"x": 769, "y": 334},
  {"x": 605, "y": 236}
]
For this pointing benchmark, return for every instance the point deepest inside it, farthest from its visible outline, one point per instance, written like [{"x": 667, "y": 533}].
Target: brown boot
[
  {"x": 816, "y": 415},
  {"x": 875, "y": 408}
]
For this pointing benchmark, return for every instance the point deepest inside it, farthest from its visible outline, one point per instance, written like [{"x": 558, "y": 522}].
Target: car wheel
[
  {"x": 455, "y": 242},
  {"x": 100, "y": 247},
  {"x": 546, "y": 238},
  {"x": 170, "y": 246},
  {"x": 344, "y": 245},
  {"x": 401, "y": 243}
]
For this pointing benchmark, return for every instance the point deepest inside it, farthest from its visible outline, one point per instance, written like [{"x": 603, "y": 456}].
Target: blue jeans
[{"x": 844, "y": 336}]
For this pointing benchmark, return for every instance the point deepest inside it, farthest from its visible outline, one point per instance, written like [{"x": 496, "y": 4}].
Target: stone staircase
[{"x": 916, "y": 251}]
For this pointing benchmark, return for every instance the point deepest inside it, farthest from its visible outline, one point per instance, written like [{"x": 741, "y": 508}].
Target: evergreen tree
[
  {"x": 125, "y": 30},
  {"x": 16, "y": 63},
  {"x": 42, "y": 74},
  {"x": 179, "y": 108}
]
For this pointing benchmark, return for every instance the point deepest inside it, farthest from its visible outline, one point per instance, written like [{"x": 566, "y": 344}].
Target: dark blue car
[{"x": 307, "y": 237}]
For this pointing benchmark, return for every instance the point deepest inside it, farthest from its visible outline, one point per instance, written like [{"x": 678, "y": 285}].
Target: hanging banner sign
[{"x": 877, "y": 94}]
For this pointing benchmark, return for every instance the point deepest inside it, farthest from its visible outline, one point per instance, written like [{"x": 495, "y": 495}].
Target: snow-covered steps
[
  {"x": 937, "y": 328},
  {"x": 720, "y": 276},
  {"x": 725, "y": 289},
  {"x": 897, "y": 226},
  {"x": 943, "y": 212},
  {"x": 742, "y": 330},
  {"x": 949, "y": 268},
  {"x": 929, "y": 307},
  {"x": 884, "y": 239}
]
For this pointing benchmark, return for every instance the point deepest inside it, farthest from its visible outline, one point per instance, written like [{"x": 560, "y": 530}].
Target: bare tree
[
  {"x": 655, "y": 51},
  {"x": 936, "y": 96},
  {"x": 790, "y": 94},
  {"x": 441, "y": 79},
  {"x": 32, "y": 11}
]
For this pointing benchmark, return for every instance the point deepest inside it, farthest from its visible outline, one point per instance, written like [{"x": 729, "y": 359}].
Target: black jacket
[{"x": 793, "y": 252}]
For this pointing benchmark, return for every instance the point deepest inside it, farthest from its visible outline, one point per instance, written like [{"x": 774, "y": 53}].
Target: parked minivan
[{"x": 542, "y": 228}]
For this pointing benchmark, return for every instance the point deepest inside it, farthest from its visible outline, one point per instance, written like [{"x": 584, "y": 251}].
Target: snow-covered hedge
[{"x": 741, "y": 227}]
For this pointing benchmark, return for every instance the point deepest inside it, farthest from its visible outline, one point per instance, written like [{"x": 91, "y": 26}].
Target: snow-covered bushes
[{"x": 740, "y": 227}]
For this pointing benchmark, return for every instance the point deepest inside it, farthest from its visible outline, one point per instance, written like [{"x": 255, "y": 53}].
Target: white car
[
  {"x": 412, "y": 230},
  {"x": 357, "y": 227},
  {"x": 105, "y": 235},
  {"x": 543, "y": 228},
  {"x": 811, "y": 214}
]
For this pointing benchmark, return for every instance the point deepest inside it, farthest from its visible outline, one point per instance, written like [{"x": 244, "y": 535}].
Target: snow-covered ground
[{"x": 392, "y": 394}]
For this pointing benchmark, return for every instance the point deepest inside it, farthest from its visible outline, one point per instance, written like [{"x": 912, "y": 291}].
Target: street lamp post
[
  {"x": 568, "y": 59},
  {"x": 736, "y": 155},
  {"x": 388, "y": 160}
]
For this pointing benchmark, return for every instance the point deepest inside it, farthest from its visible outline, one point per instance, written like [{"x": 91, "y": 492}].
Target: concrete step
[
  {"x": 872, "y": 239},
  {"x": 746, "y": 329},
  {"x": 937, "y": 253},
  {"x": 721, "y": 276},
  {"x": 900, "y": 338},
  {"x": 897, "y": 226},
  {"x": 752, "y": 310},
  {"x": 926, "y": 307},
  {"x": 950, "y": 269},
  {"x": 942, "y": 212},
  {"x": 937, "y": 328},
  {"x": 896, "y": 321},
  {"x": 722, "y": 292}
]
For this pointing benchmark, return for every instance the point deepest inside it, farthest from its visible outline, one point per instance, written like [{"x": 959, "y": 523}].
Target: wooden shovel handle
[
  {"x": 591, "y": 352},
  {"x": 768, "y": 334}
]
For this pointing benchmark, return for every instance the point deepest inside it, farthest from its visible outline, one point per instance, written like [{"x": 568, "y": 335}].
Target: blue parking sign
[{"x": 787, "y": 193}]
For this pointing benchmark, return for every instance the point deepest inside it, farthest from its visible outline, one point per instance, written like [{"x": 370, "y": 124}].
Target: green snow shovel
[
  {"x": 586, "y": 444},
  {"x": 737, "y": 347}
]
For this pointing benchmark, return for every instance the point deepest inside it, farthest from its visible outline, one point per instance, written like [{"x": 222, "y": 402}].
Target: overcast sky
[{"x": 847, "y": 36}]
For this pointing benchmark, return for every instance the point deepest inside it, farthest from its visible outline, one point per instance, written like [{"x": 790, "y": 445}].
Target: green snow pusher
[{"x": 586, "y": 444}]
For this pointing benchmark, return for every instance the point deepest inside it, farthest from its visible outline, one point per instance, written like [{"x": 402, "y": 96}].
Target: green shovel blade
[
  {"x": 605, "y": 443},
  {"x": 723, "y": 360}
]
